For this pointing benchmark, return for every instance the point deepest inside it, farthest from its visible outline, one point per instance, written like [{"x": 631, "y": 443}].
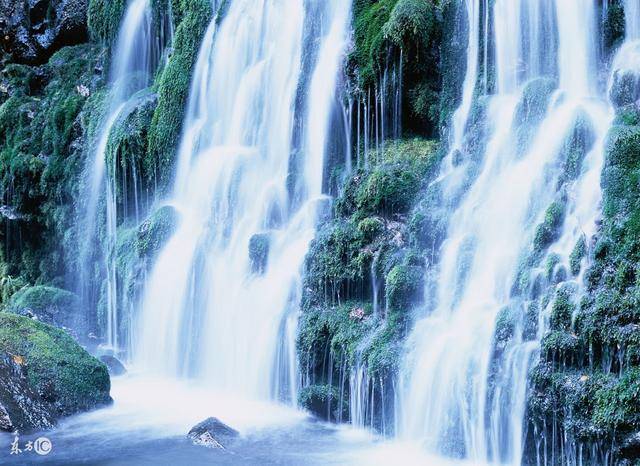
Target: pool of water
[{"x": 149, "y": 420}]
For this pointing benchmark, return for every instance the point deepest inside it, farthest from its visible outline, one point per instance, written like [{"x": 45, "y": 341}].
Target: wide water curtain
[
  {"x": 221, "y": 301},
  {"x": 515, "y": 204}
]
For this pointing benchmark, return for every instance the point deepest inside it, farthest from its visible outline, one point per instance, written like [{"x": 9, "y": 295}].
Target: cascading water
[
  {"x": 134, "y": 58},
  {"x": 461, "y": 114},
  {"x": 463, "y": 393},
  {"x": 221, "y": 301},
  {"x": 632, "y": 19}
]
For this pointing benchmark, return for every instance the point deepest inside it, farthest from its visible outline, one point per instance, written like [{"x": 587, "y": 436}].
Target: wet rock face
[
  {"x": 20, "y": 407},
  {"x": 31, "y": 31},
  {"x": 212, "y": 433},
  {"x": 45, "y": 375},
  {"x": 625, "y": 88}
]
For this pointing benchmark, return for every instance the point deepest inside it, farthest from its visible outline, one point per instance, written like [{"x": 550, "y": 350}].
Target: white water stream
[
  {"x": 221, "y": 302},
  {"x": 451, "y": 400},
  {"x": 134, "y": 55}
]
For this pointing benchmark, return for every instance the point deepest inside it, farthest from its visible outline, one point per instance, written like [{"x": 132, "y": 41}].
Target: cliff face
[{"x": 367, "y": 273}]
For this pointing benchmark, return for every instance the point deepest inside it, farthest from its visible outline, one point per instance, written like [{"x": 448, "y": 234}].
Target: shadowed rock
[{"x": 212, "y": 433}]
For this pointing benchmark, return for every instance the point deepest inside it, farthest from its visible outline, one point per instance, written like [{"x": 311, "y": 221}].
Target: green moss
[
  {"x": 384, "y": 352},
  {"x": 41, "y": 155},
  {"x": 370, "y": 228},
  {"x": 370, "y": 18},
  {"x": 578, "y": 253},
  {"x": 336, "y": 330},
  {"x": 323, "y": 401},
  {"x": 621, "y": 174},
  {"x": 410, "y": 21},
  {"x": 562, "y": 310},
  {"x": 552, "y": 261},
  {"x": 505, "y": 327},
  {"x": 384, "y": 27},
  {"x": 154, "y": 232},
  {"x": 560, "y": 343},
  {"x": 404, "y": 285},
  {"x": 548, "y": 230},
  {"x": 173, "y": 89},
  {"x": 617, "y": 404},
  {"x": 393, "y": 185},
  {"x": 614, "y": 26},
  {"x": 104, "y": 19},
  {"x": 57, "y": 368},
  {"x": 576, "y": 146},
  {"x": 126, "y": 152},
  {"x": 44, "y": 298}
]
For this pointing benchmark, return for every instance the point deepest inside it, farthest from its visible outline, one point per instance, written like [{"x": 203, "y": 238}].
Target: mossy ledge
[{"x": 62, "y": 375}]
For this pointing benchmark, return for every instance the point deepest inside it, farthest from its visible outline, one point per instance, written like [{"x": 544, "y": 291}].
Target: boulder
[
  {"x": 114, "y": 365},
  {"x": 259, "y": 245},
  {"x": 212, "y": 433},
  {"x": 20, "y": 406},
  {"x": 45, "y": 375},
  {"x": 50, "y": 305},
  {"x": 33, "y": 30}
]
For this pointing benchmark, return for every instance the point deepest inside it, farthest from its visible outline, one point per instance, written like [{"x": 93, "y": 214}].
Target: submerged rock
[
  {"x": 45, "y": 375},
  {"x": 212, "y": 433}
]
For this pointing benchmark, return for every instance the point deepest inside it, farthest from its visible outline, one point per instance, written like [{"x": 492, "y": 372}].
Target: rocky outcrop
[
  {"x": 364, "y": 274},
  {"x": 33, "y": 30},
  {"x": 212, "y": 433},
  {"x": 45, "y": 375}
]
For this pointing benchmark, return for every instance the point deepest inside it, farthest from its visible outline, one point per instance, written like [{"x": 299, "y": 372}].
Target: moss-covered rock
[
  {"x": 154, "y": 232},
  {"x": 585, "y": 388},
  {"x": 259, "y": 245},
  {"x": 63, "y": 375},
  {"x": 363, "y": 277},
  {"x": 50, "y": 305},
  {"x": 324, "y": 401},
  {"x": 173, "y": 88},
  {"x": 614, "y": 25},
  {"x": 404, "y": 285},
  {"x": 41, "y": 156},
  {"x": 386, "y": 31},
  {"x": 104, "y": 19},
  {"x": 20, "y": 407},
  {"x": 548, "y": 230}
]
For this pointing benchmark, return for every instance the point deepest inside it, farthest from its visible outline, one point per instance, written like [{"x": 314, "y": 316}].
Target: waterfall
[
  {"x": 632, "y": 19},
  {"x": 462, "y": 112},
  {"x": 134, "y": 57},
  {"x": 462, "y": 389},
  {"x": 221, "y": 302}
]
